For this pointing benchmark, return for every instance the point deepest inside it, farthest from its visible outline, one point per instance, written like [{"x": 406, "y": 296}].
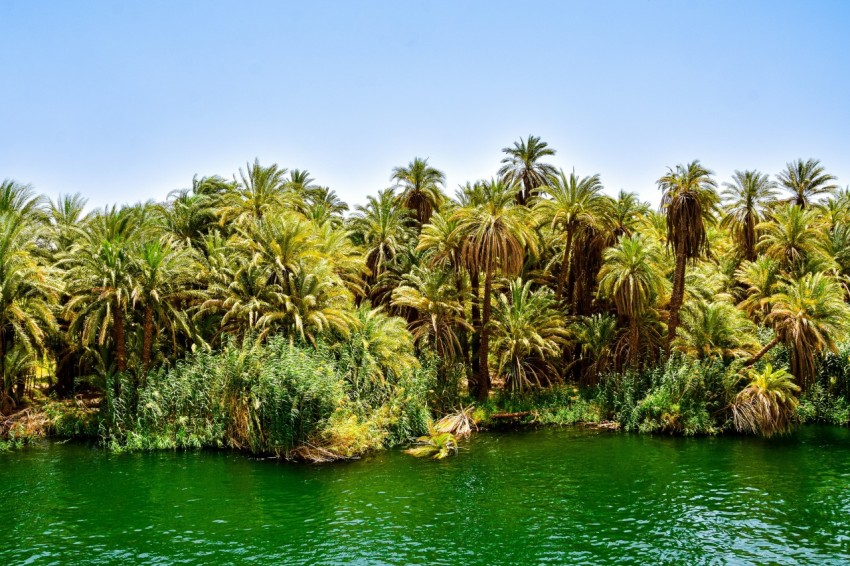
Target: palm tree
[
  {"x": 282, "y": 241},
  {"x": 575, "y": 203},
  {"x": 527, "y": 334},
  {"x": 162, "y": 277},
  {"x": 522, "y": 166},
  {"x": 335, "y": 245},
  {"x": 790, "y": 236},
  {"x": 433, "y": 294},
  {"x": 760, "y": 277},
  {"x": 187, "y": 216},
  {"x": 28, "y": 290},
  {"x": 689, "y": 200},
  {"x": 64, "y": 215},
  {"x": 240, "y": 296},
  {"x": 260, "y": 190},
  {"x": 597, "y": 335},
  {"x": 806, "y": 181},
  {"x": 496, "y": 237},
  {"x": 311, "y": 301},
  {"x": 322, "y": 205},
  {"x": 748, "y": 197},
  {"x": 384, "y": 228},
  {"x": 300, "y": 182},
  {"x": 767, "y": 405},
  {"x": 808, "y": 315},
  {"x": 420, "y": 186},
  {"x": 378, "y": 353},
  {"x": 21, "y": 202},
  {"x": 716, "y": 329},
  {"x": 100, "y": 279},
  {"x": 625, "y": 213},
  {"x": 632, "y": 277}
]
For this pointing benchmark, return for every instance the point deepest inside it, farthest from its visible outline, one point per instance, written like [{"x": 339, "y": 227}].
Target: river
[{"x": 554, "y": 495}]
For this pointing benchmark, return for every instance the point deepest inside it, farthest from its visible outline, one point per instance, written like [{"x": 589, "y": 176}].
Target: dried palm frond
[{"x": 459, "y": 424}]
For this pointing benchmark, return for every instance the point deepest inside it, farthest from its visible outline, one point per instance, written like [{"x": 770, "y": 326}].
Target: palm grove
[{"x": 260, "y": 313}]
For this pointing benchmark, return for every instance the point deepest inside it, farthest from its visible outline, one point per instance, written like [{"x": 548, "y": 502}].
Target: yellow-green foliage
[
  {"x": 270, "y": 399},
  {"x": 435, "y": 445}
]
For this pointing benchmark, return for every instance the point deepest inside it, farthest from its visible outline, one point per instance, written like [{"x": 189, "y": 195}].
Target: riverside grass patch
[{"x": 277, "y": 398}]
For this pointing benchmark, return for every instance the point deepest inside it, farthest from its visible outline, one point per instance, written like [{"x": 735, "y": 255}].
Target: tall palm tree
[
  {"x": 625, "y": 213},
  {"x": 760, "y": 279},
  {"x": 162, "y": 278},
  {"x": 790, "y": 235},
  {"x": 420, "y": 186},
  {"x": 21, "y": 202},
  {"x": 522, "y": 165},
  {"x": 575, "y": 203},
  {"x": 748, "y": 197},
  {"x": 260, "y": 190},
  {"x": 806, "y": 181},
  {"x": 809, "y": 315},
  {"x": 632, "y": 277},
  {"x": 497, "y": 236},
  {"x": 527, "y": 335},
  {"x": 300, "y": 182},
  {"x": 689, "y": 200},
  {"x": 100, "y": 279},
  {"x": 384, "y": 228},
  {"x": 432, "y": 293},
  {"x": 28, "y": 290}
]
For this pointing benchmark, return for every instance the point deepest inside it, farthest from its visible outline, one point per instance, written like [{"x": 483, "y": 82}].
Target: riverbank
[{"x": 86, "y": 417}]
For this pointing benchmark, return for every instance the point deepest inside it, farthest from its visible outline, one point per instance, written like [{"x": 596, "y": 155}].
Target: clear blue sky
[{"x": 126, "y": 101}]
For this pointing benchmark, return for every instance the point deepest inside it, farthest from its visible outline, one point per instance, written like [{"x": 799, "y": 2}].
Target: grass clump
[
  {"x": 276, "y": 398},
  {"x": 681, "y": 396}
]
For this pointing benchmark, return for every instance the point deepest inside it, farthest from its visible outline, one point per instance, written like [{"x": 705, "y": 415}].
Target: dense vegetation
[{"x": 260, "y": 313}]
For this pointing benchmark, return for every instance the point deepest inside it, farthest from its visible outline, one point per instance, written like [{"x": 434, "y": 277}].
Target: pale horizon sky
[{"x": 125, "y": 102}]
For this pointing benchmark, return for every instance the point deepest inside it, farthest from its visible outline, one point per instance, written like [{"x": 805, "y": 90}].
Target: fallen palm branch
[
  {"x": 436, "y": 445},
  {"x": 459, "y": 424},
  {"x": 314, "y": 454}
]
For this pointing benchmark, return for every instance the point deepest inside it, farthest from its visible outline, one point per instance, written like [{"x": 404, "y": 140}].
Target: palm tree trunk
[
  {"x": 482, "y": 390},
  {"x": 475, "y": 341},
  {"x": 6, "y": 390},
  {"x": 147, "y": 341},
  {"x": 524, "y": 191},
  {"x": 760, "y": 354},
  {"x": 750, "y": 239},
  {"x": 118, "y": 336},
  {"x": 565, "y": 266},
  {"x": 633, "y": 342},
  {"x": 677, "y": 296}
]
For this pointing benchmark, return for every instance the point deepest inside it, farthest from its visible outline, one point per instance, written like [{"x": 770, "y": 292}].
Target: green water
[{"x": 533, "y": 497}]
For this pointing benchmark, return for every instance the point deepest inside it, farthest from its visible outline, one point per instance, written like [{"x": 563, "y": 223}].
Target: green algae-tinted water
[{"x": 542, "y": 496}]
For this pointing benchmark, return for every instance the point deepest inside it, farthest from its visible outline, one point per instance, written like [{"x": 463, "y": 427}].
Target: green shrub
[
  {"x": 681, "y": 396},
  {"x": 268, "y": 399}
]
